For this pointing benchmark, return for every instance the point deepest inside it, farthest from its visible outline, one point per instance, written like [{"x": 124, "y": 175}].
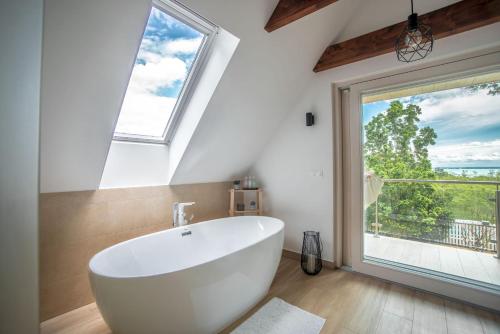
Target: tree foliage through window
[{"x": 396, "y": 148}]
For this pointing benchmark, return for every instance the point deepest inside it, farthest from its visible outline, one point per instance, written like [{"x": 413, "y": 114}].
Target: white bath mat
[{"x": 279, "y": 317}]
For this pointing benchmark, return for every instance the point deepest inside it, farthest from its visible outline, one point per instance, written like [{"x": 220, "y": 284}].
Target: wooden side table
[{"x": 232, "y": 202}]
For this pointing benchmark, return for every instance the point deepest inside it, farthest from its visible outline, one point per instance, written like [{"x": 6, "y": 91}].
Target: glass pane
[
  {"x": 165, "y": 57},
  {"x": 432, "y": 174}
]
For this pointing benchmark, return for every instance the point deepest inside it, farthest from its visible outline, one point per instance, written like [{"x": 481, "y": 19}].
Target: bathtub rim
[{"x": 100, "y": 275}]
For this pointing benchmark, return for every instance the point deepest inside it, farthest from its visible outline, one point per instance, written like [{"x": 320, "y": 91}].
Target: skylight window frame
[{"x": 210, "y": 31}]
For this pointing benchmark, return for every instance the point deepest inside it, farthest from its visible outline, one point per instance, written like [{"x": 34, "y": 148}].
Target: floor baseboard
[{"x": 296, "y": 256}]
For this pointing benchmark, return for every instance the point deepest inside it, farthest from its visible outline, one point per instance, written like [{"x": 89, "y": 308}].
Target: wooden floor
[
  {"x": 350, "y": 303},
  {"x": 450, "y": 260}
]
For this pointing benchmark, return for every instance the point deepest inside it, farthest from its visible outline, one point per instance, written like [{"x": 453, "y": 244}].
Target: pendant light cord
[{"x": 411, "y": 6}]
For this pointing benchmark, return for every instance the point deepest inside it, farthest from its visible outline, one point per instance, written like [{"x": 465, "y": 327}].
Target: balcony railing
[{"x": 473, "y": 228}]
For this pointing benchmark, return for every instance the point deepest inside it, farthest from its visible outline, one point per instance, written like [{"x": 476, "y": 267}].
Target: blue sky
[
  {"x": 467, "y": 125},
  {"x": 165, "y": 56},
  {"x": 162, "y": 28}
]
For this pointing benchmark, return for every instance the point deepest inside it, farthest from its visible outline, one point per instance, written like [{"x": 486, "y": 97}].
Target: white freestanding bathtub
[{"x": 194, "y": 279}]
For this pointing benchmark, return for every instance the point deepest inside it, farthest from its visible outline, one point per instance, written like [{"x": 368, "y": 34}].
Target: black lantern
[
  {"x": 415, "y": 42},
  {"x": 311, "y": 261}
]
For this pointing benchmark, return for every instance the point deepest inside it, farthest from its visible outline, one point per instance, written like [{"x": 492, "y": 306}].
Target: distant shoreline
[{"x": 469, "y": 171}]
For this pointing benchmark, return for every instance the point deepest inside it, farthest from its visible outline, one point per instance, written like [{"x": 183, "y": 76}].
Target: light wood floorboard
[
  {"x": 461, "y": 319},
  {"x": 350, "y": 303},
  {"x": 429, "y": 316},
  {"x": 400, "y": 302},
  {"x": 393, "y": 324}
]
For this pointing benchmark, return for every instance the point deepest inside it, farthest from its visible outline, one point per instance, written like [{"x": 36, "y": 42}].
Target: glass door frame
[{"x": 443, "y": 284}]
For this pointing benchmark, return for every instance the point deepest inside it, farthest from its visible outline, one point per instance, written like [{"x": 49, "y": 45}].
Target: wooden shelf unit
[{"x": 258, "y": 200}]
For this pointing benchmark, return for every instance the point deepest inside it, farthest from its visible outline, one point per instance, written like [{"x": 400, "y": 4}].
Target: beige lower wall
[{"x": 76, "y": 225}]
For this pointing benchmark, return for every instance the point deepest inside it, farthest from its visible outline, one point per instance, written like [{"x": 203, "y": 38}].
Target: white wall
[
  {"x": 88, "y": 53},
  {"x": 295, "y": 170},
  {"x": 135, "y": 165},
  {"x": 20, "y": 62},
  {"x": 285, "y": 166},
  {"x": 223, "y": 49}
]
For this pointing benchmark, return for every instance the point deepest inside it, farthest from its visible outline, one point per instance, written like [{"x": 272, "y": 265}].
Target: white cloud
[
  {"x": 153, "y": 50},
  {"x": 442, "y": 155},
  {"x": 162, "y": 67},
  {"x": 181, "y": 46},
  {"x": 462, "y": 111},
  {"x": 153, "y": 75},
  {"x": 145, "y": 113},
  {"x": 166, "y": 19}
]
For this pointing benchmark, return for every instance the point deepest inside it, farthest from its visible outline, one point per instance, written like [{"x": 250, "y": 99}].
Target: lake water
[{"x": 470, "y": 171}]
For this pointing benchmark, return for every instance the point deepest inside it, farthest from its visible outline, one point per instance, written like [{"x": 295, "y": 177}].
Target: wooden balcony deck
[{"x": 471, "y": 264}]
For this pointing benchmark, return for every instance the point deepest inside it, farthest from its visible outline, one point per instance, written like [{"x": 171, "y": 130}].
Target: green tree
[{"x": 396, "y": 148}]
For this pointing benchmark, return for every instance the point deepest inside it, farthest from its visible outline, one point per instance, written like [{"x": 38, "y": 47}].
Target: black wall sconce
[{"x": 309, "y": 119}]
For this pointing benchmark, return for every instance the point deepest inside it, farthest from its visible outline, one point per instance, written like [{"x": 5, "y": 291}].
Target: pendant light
[{"x": 415, "y": 41}]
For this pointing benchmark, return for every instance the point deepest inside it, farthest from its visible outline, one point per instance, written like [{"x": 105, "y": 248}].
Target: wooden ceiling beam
[
  {"x": 288, "y": 11},
  {"x": 450, "y": 20}
]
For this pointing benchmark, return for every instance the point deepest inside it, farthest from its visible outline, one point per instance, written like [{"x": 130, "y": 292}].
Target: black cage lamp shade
[{"x": 416, "y": 40}]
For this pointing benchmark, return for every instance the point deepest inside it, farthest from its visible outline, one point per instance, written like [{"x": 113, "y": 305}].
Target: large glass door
[{"x": 428, "y": 167}]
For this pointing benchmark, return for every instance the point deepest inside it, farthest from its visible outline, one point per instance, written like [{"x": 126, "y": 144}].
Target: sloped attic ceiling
[
  {"x": 269, "y": 75},
  {"x": 84, "y": 81},
  {"x": 265, "y": 78},
  {"x": 88, "y": 50}
]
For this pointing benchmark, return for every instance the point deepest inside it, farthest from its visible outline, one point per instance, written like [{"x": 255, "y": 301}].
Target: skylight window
[{"x": 170, "y": 56}]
